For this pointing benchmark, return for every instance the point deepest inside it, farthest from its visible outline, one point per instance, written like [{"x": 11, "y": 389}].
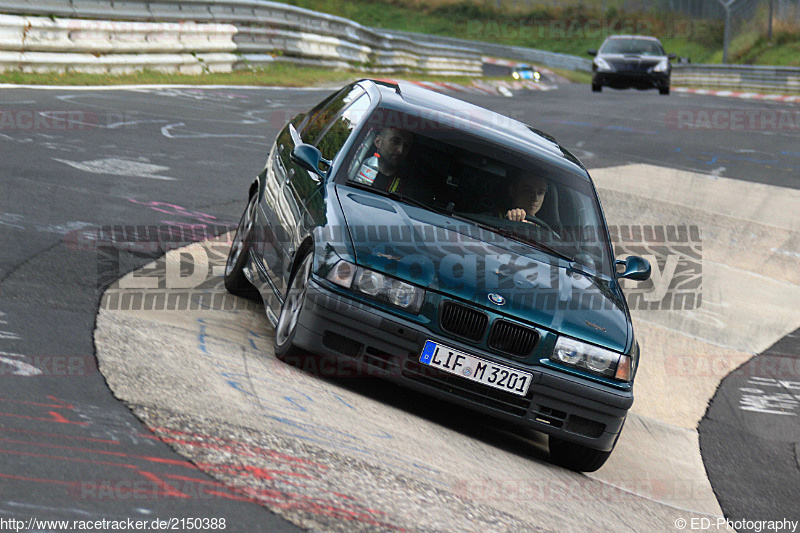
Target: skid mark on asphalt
[
  {"x": 292, "y": 477},
  {"x": 119, "y": 475}
]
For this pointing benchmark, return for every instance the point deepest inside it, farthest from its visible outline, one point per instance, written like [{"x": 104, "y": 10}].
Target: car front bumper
[
  {"x": 624, "y": 79},
  {"x": 569, "y": 407}
]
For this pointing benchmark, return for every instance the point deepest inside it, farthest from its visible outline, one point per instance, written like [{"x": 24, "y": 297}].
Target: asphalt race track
[{"x": 212, "y": 426}]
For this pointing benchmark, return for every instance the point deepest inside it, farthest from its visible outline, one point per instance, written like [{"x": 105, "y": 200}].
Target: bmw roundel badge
[{"x": 496, "y": 299}]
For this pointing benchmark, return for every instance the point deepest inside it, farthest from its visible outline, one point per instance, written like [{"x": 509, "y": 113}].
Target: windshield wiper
[
  {"x": 515, "y": 237},
  {"x": 400, "y": 197}
]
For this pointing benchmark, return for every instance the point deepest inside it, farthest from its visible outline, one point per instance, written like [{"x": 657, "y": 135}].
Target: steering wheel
[{"x": 539, "y": 222}]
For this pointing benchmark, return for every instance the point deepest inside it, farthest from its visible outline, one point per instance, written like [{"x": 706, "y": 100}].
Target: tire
[
  {"x": 576, "y": 456},
  {"x": 291, "y": 309},
  {"x": 596, "y": 88},
  {"x": 235, "y": 280},
  {"x": 663, "y": 90}
]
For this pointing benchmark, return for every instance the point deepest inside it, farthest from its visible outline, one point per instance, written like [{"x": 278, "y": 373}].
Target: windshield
[
  {"x": 455, "y": 173},
  {"x": 645, "y": 47}
]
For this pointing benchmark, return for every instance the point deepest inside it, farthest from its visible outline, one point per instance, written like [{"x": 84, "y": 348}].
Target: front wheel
[
  {"x": 235, "y": 280},
  {"x": 291, "y": 309},
  {"x": 596, "y": 87},
  {"x": 576, "y": 456},
  {"x": 664, "y": 90}
]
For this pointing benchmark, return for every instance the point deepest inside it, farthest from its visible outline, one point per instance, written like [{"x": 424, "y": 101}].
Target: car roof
[
  {"x": 646, "y": 37},
  {"x": 409, "y": 97}
]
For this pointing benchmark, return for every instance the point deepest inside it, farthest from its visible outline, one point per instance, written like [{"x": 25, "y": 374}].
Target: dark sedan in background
[
  {"x": 450, "y": 249},
  {"x": 631, "y": 61}
]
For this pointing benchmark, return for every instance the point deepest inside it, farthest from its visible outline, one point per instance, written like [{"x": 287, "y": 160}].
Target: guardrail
[
  {"x": 269, "y": 31},
  {"x": 739, "y": 78},
  {"x": 731, "y": 77},
  {"x": 43, "y": 44},
  {"x": 519, "y": 53}
]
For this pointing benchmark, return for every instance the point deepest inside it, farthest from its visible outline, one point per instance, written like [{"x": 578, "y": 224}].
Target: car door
[
  {"x": 276, "y": 210},
  {"x": 302, "y": 190}
]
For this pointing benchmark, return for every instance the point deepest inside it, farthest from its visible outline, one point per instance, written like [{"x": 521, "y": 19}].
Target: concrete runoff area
[
  {"x": 750, "y": 280},
  {"x": 343, "y": 454}
]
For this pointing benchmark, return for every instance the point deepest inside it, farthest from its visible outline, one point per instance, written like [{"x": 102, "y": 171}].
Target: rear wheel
[
  {"x": 596, "y": 87},
  {"x": 291, "y": 309},
  {"x": 664, "y": 90},
  {"x": 235, "y": 280},
  {"x": 576, "y": 456}
]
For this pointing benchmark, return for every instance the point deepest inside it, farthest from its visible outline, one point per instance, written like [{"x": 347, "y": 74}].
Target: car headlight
[
  {"x": 370, "y": 282},
  {"x": 515, "y": 75},
  {"x": 536, "y": 75},
  {"x": 592, "y": 358},
  {"x": 379, "y": 286},
  {"x": 601, "y": 64},
  {"x": 662, "y": 66}
]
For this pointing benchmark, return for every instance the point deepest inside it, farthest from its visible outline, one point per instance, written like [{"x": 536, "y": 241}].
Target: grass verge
[
  {"x": 569, "y": 27},
  {"x": 279, "y": 74}
]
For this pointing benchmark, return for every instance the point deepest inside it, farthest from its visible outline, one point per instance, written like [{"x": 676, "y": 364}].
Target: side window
[
  {"x": 336, "y": 133},
  {"x": 312, "y": 132},
  {"x": 302, "y": 120}
]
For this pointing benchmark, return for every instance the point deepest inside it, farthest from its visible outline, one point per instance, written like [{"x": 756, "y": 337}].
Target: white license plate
[{"x": 475, "y": 369}]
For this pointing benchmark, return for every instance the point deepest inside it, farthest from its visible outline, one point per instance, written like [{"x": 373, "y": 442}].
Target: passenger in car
[{"x": 392, "y": 146}]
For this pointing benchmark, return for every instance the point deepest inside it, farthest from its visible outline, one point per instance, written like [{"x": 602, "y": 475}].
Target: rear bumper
[{"x": 387, "y": 346}]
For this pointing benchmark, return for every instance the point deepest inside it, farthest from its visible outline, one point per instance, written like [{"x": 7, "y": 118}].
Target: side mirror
[
  {"x": 592, "y": 52},
  {"x": 309, "y": 158},
  {"x": 636, "y": 268},
  {"x": 672, "y": 56}
]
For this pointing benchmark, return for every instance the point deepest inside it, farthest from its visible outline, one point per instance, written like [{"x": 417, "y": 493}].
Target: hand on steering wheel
[
  {"x": 520, "y": 215},
  {"x": 530, "y": 219}
]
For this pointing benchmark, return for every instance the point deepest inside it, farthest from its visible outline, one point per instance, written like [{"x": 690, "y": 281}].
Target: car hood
[
  {"x": 457, "y": 259},
  {"x": 632, "y": 61}
]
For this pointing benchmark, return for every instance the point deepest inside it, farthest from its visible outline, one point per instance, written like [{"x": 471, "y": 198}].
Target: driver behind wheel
[{"x": 527, "y": 196}]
